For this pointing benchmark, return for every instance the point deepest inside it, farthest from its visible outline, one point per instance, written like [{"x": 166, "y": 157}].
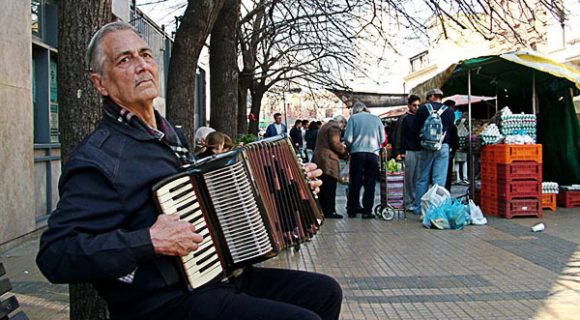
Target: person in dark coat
[
  {"x": 310, "y": 136},
  {"x": 329, "y": 150},
  {"x": 296, "y": 135}
]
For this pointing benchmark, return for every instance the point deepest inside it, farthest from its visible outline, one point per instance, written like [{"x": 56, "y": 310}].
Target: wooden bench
[{"x": 8, "y": 303}]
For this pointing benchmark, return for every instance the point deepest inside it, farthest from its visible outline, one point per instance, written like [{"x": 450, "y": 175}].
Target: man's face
[
  {"x": 278, "y": 119},
  {"x": 413, "y": 106},
  {"x": 130, "y": 75}
]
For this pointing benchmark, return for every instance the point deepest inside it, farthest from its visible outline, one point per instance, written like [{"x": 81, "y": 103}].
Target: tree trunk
[
  {"x": 257, "y": 96},
  {"x": 196, "y": 24},
  {"x": 224, "y": 70},
  {"x": 80, "y": 110},
  {"x": 242, "y": 108}
]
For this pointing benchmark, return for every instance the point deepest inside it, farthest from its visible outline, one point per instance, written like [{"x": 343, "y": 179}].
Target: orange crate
[
  {"x": 569, "y": 198},
  {"x": 549, "y": 201},
  {"x": 508, "y": 153},
  {"x": 519, "y": 189},
  {"x": 519, "y": 170},
  {"x": 520, "y": 207}
]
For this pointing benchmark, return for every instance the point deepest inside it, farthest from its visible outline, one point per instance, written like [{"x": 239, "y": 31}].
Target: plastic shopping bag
[
  {"x": 433, "y": 197},
  {"x": 343, "y": 177},
  {"x": 449, "y": 214},
  {"x": 477, "y": 217}
]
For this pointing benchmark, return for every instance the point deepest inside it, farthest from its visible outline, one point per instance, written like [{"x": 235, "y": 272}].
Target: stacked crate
[
  {"x": 569, "y": 198},
  {"x": 511, "y": 180}
]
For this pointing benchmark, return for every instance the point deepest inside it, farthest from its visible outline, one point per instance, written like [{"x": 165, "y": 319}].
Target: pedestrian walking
[{"x": 296, "y": 135}]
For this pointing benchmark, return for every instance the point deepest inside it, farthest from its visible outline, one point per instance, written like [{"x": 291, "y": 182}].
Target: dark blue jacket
[
  {"x": 410, "y": 134},
  {"x": 100, "y": 228},
  {"x": 296, "y": 137},
  {"x": 271, "y": 130}
]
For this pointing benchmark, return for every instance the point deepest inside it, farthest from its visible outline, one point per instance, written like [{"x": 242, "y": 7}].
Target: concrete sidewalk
[{"x": 399, "y": 270}]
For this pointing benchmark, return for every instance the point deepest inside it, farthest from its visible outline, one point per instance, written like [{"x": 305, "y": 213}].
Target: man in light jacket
[{"x": 363, "y": 137}]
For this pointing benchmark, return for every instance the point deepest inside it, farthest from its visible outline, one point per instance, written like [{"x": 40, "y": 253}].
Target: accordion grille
[{"x": 238, "y": 212}]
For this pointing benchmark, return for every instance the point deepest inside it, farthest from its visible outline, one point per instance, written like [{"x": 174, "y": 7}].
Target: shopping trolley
[{"x": 392, "y": 191}]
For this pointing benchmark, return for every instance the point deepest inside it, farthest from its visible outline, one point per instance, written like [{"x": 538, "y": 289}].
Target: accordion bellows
[{"x": 248, "y": 204}]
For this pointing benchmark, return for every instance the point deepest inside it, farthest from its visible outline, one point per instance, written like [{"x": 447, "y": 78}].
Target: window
[
  {"x": 419, "y": 61},
  {"x": 36, "y": 14}
]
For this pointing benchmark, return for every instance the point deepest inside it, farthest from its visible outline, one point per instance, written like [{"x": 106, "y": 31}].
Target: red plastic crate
[
  {"x": 569, "y": 198},
  {"x": 489, "y": 191},
  {"x": 520, "y": 207},
  {"x": 519, "y": 170},
  {"x": 519, "y": 189},
  {"x": 549, "y": 201},
  {"x": 508, "y": 153}
]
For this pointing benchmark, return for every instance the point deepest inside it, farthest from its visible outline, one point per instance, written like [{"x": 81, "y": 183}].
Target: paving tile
[{"x": 399, "y": 270}]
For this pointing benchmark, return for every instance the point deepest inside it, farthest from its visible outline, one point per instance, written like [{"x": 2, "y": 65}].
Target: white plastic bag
[
  {"x": 434, "y": 196},
  {"x": 476, "y": 215}
]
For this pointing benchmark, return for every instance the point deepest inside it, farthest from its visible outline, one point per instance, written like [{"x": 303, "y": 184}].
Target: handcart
[{"x": 392, "y": 191}]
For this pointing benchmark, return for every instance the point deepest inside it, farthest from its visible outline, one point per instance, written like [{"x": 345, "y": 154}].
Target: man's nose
[{"x": 143, "y": 64}]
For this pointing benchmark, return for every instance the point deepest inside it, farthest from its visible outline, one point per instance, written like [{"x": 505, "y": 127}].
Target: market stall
[{"x": 527, "y": 83}]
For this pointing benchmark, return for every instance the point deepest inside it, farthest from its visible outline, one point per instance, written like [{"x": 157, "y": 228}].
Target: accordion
[{"x": 249, "y": 204}]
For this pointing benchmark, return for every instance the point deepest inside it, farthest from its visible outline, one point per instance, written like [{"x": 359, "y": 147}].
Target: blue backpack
[{"x": 432, "y": 134}]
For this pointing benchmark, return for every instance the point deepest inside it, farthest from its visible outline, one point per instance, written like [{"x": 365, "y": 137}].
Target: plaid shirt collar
[{"x": 164, "y": 133}]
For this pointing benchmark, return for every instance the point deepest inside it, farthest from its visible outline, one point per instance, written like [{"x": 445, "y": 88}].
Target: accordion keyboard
[{"x": 178, "y": 197}]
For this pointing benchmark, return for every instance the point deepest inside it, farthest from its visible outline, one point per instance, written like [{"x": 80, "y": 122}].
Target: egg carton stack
[
  {"x": 549, "y": 191},
  {"x": 491, "y": 135},
  {"x": 518, "y": 128},
  {"x": 550, "y": 187}
]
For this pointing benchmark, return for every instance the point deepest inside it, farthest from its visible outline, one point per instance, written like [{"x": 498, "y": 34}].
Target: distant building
[
  {"x": 557, "y": 37},
  {"x": 30, "y": 130}
]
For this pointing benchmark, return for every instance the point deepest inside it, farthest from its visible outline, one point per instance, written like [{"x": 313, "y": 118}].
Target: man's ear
[{"x": 97, "y": 81}]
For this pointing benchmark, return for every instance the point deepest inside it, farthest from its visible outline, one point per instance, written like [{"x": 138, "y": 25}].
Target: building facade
[
  {"x": 30, "y": 130},
  {"x": 555, "y": 36}
]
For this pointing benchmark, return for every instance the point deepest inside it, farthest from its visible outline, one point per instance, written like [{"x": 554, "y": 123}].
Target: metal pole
[
  {"x": 533, "y": 91},
  {"x": 284, "y": 101},
  {"x": 471, "y": 157}
]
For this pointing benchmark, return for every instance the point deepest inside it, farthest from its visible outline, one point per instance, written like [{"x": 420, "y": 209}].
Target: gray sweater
[{"x": 364, "y": 133}]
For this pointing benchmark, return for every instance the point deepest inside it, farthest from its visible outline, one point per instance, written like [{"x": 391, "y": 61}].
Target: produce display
[
  {"x": 393, "y": 166},
  {"x": 550, "y": 187}
]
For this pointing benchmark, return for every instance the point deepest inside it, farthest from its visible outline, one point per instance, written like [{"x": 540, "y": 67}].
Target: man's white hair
[
  {"x": 339, "y": 118},
  {"x": 359, "y": 107},
  {"x": 95, "y": 55}
]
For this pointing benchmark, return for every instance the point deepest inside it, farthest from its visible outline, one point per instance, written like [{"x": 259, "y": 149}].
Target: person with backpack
[{"x": 434, "y": 120}]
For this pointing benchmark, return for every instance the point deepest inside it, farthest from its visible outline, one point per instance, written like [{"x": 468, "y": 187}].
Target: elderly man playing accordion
[{"x": 106, "y": 229}]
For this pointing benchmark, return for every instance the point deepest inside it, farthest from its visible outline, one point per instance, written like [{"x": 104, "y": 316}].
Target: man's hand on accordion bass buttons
[
  {"x": 312, "y": 173},
  {"x": 172, "y": 237}
]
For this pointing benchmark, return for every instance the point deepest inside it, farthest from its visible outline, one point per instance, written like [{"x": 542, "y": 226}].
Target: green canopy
[{"x": 514, "y": 78}]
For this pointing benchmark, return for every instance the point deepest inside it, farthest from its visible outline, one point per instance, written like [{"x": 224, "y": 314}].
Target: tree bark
[
  {"x": 257, "y": 96},
  {"x": 190, "y": 37},
  {"x": 80, "y": 110},
  {"x": 224, "y": 70}
]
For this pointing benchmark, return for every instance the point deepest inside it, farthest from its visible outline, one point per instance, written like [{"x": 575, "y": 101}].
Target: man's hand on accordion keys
[
  {"x": 172, "y": 237},
  {"x": 312, "y": 173}
]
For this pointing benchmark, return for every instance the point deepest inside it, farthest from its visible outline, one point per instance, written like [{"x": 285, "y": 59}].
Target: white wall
[{"x": 16, "y": 128}]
